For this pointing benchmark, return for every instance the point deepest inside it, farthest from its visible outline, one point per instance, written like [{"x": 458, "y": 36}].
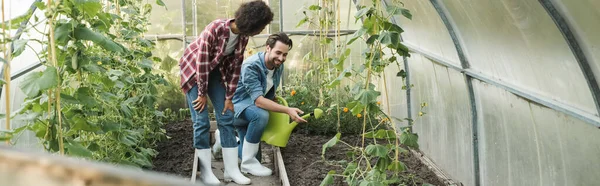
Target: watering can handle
[{"x": 281, "y": 101}]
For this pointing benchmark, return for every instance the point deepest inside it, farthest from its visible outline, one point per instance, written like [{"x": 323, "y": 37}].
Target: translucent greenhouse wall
[
  {"x": 27, "y": 62},
  {"x": 511, "y": 88}
]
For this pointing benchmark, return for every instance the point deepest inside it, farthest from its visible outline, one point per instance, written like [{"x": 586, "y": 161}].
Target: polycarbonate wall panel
[
  {"x": 583, "y": 16},
  {"x": 30, "y": 57},
  {"x": 426, "y": 30},
  {"x": 517, "y": 42},
  {"x": 522, "y": 143},
  {"x": 166, "y": 21},
  {"x": 445, "y": 130},
  {"x": 395, "y": 97},
  {"x": 27, "y": 139}
]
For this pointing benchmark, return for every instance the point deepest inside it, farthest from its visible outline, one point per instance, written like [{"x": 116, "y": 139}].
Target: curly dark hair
[
  {"x": 252, "y": 17},
  {"x": 281, "y": 37}
]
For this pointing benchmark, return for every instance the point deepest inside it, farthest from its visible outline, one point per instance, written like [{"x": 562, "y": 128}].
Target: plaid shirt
[{"x": 206, "y": 53}]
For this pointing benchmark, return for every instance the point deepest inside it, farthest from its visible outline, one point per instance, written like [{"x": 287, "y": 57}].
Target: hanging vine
[
  {"x": 370, "y": 163},
  {"x": 96, "y": 95}
]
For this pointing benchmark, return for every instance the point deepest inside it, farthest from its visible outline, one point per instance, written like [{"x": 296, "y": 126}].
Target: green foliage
[
  {"x": 107, "y": 84},
  {"x": 350, "y": 95}
]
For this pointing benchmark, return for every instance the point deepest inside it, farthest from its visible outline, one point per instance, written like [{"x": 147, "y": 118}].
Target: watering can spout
[{"x": 278, "y": 129}]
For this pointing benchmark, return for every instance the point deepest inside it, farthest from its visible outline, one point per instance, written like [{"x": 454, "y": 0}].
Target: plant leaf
[
  {"x": 161, "y": 3},
  {"x": 367, "y": 96},
  {"x": 328, "y": 179},
  {"x": 396, "y": 166},
  {"x": 350, "y": 169},
  {"x": 402, "y": 74},
  {"x": 359, "y": 33},
  {"x": 35, "y": 82},
  {"x": 5, "y": 135},
  {"x": 40, "y": 5},
  {"x": 381, "y": 134},
  {"x": 62, "y": 32},
  {"x": 330, "y": 143},
  {"x": 314, "y": 7},
  {"x": 361, "y": 13},
  {"x": 77, "y": 149},
  {"x": 377, "y": 150},
  {"x": 409, "y": 139},
  {"x": 19, "y": 46},
  {"x": 338, "y": 80},
  {"x": 89, "y": 7},
  {"x": 385, "y": 38},
  {"x": 394, "y": 10},
  {"x": 85, "y": 97}
]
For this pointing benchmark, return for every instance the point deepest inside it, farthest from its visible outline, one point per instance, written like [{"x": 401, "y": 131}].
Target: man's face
[{"x": 276, "y": 56}]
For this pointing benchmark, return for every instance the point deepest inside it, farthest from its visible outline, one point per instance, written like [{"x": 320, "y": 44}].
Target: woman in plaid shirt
[{"x": 211, "y": 66}]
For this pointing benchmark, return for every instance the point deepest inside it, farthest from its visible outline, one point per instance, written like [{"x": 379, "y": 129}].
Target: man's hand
[
  {"x": 228, "y": 106},
  {"x": 293, "y": 112},
  {"x": 199, "y": 103}
]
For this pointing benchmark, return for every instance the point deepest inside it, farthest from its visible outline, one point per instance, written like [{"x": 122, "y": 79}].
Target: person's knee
[
  {"x": 226, "y": 119},
  {"x": 262, "y": 117}
]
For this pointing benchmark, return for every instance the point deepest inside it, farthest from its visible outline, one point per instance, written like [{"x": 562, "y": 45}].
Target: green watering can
[{"x": 278, "y": 130}]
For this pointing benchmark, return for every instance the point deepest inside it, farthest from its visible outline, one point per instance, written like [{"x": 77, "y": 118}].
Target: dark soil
[
  {"x": 176, "y": 155},
  {"x": 304, "y": 164},
  {"x": 302, "y": 157}
]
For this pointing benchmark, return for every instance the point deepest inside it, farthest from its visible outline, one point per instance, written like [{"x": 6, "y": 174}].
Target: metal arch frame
[
  {"x": 570, "y": 37},
  {"x": 451, "y": 27},
  {"x": 573, "y": 43}
]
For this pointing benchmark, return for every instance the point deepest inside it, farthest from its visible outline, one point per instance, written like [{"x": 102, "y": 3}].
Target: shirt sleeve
[
  {"x": 250, "y": 81},
  {"x": 205, "y": 46}
]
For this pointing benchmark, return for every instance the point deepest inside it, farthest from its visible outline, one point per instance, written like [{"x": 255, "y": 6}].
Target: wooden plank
[
  {"x": 19, "y": 167},
  {"x": 436, "y": 170},
  {"x": 280, "y": 166}
]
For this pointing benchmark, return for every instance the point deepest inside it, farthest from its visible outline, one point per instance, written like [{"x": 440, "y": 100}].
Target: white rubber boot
[
  {"x": 216, "y": 148},
  {"x": 249, "y": 162},
  {"x": 232, "y": 172},
  {"x": 206, "y": 175}
]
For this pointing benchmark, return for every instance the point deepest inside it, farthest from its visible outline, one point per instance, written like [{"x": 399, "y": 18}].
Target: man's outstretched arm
[{"x": 270, "y": 105}]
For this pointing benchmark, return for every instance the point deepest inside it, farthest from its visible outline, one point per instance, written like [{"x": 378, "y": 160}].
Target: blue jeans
[
  {"x": 251, "y": 124},
  {"x": 216, "y": 94}
]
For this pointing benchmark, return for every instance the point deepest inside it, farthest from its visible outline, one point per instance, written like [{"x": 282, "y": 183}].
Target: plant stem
[
  {"x": 7, "y": 54},
  {"x": 387, "y": 103},
  {"x": 52, "y": 57}
]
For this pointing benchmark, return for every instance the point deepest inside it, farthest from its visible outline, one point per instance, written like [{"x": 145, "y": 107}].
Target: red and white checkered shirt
[{"x": 206, "y": 52}]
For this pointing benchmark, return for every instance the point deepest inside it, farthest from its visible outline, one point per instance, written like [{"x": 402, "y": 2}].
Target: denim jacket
[{"x": 253, "y": 83}]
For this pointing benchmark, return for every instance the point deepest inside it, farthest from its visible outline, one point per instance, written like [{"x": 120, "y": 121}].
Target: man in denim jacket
[{"x": 253, "y": 99}]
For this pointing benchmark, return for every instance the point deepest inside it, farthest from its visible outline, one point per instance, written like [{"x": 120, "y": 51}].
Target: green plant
[
  {"x": 372, "y": 162},
  {"x": 96, "y": 96}
]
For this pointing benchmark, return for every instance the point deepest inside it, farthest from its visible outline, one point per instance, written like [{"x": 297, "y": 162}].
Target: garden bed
[
  {"x": 175, "y": 156},
  {"x": 304, "y": 165}
]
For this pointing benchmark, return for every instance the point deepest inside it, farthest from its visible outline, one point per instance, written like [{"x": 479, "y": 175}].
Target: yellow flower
[
  {"x": 345, "y": 109},
  {"x": 358, "y": 115},
  {"x": 420, "y": 113},
  {"x": 302, "y": 103},
  {"x": 293, "y": 92},
  {"x": 99, "y": 62}
]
